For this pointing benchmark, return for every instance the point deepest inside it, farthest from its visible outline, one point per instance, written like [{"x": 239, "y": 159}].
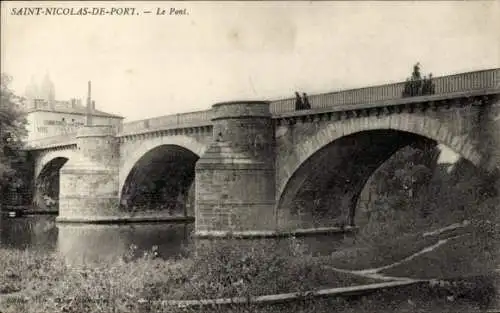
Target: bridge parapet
[
  {"x": 183, "y": 120},
  {"x": 453, "y": 86},
  {"x": 51, "y": 142},
  {"x": 434, "y": 101},
  {"x": 471, "y": 81}
]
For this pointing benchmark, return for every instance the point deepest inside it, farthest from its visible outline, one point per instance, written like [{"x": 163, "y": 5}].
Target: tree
[{"x": 12, "y": 132}]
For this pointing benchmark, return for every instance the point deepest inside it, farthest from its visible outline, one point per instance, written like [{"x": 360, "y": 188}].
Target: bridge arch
[
  {"x": 363, "y": 136},
  {"x": 165, "y": 164},
  {"x": 131, "y": 155},
  {"x": 47, "y": 171},
  {"x": 47, "y": 157}
]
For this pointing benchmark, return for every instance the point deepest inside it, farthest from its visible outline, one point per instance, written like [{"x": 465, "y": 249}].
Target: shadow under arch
[
  {"x": 132, "y": 154},
  {"x": 47, "y": 184},
  {"x": 161, "y": 180},
  {"x": 324, "y": 190}
]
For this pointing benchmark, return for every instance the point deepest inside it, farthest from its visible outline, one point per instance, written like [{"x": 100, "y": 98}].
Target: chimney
[
  {"x": 93, "y": 105},
  {"x": 89, "y": 104}
]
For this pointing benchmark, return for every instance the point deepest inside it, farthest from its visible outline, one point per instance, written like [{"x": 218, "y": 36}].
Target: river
[
  {"x": 104, "y": 243},
  {"x": 95, "y": 243}
]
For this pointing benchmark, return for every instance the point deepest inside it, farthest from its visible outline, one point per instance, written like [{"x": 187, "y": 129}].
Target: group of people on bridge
[
  {"x": 302, "y": 103},
  {"x": 418, "y": 86}
]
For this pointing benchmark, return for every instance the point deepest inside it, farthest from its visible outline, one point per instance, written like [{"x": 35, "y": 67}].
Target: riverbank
[
  {"x": 422, "y": 297},
  {"x": 222, "y": 269},
  {"x": 468, "y": 247},
  {"x": 39, "y": 282}
]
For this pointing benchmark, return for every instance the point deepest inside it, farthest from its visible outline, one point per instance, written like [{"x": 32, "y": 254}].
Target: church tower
[
  {"x": 48, "y": 91},
  {"x": 32, "y": 92}
]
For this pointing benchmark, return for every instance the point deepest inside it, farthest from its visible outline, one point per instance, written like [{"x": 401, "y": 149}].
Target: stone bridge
[{"x": 239, "y": 167}]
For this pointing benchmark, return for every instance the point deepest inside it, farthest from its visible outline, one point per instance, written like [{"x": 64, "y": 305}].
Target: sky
[{"x": 148, "y": 65}]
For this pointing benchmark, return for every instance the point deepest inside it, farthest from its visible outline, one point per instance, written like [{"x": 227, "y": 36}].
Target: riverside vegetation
[
  {"x": 460, "y": 224},
  {"x": 37, "y": 282}
]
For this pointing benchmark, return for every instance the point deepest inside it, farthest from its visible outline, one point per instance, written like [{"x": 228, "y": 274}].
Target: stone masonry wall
[
  {"x": 235, "y": 176},
  {"x": 89, "y": 181},
  {"x": 455, "y": 123}
]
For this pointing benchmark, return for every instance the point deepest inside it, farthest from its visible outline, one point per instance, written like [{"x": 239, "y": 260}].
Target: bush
[{"x": 219, "y": 269}]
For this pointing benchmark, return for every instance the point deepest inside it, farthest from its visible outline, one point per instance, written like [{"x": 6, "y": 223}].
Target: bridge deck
[{"x": 471, "y": 83}]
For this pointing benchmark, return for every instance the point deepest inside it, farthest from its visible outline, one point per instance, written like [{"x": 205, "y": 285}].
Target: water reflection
[
  {"x": 93, "y": 243},
  {"x": 38, "y": 232},
  {"x": 106, "y": 243}
]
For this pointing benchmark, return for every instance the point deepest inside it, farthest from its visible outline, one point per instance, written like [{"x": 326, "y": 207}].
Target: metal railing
[
  {"x": 471, "y": 81},
  {"x": 198, "y": 118}
]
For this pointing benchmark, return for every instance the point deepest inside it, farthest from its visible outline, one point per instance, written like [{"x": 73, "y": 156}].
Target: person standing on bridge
[
  {"x": 416, "y": 79},
  {"x": 307, "y": 105},
  {"x": 431, "y": 88},
  {"x": 424, "y": 87},
  {"x": 298, "y": 102},
  {"x": 407, "y": 88}
]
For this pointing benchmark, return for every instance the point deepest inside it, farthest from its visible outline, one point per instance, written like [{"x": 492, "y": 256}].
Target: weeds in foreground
[{"x": 216, "y": 269}]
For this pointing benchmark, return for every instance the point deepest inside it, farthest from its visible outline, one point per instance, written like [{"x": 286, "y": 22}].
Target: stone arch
[
  {"x": 46, "y": 177},
  {"x": 420, "y": 125},
  {"x": 129, "y": 160},
  {"x": 47, "y": 157}
]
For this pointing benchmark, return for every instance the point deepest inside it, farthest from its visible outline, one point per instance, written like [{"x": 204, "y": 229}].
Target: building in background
[{"x": 48, "y": 117}]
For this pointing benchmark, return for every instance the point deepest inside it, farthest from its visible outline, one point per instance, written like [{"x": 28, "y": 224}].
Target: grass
[
  {"x": 422, "y": 298},
  {"x": 26, "y": 270},
  {"x": 218, "y": 269},
  {"x": 50, "y": 286},
  {"x": 225, "y": 268},
  {"x": 396, "y": 228},
  {"x": 377, "y": 253},
  {"x": 362, "y": 256},
  {"x": 241, "y": 268},
  {"x": 473, "y": 254}
]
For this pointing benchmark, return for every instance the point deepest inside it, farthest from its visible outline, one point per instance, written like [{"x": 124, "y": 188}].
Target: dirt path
[
  {"x": 446, "y": 228},
  {"x": 411, "y": 257},
  {"x": 374, "y": 273}
]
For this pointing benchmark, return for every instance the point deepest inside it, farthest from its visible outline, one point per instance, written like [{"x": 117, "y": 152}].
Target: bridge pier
[
  {"x": 89, "y": 182},
  {"x": 235, "y": 178}
]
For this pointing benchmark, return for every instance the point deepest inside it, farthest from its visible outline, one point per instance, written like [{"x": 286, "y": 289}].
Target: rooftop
[{"x": 72, "y": 108}]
